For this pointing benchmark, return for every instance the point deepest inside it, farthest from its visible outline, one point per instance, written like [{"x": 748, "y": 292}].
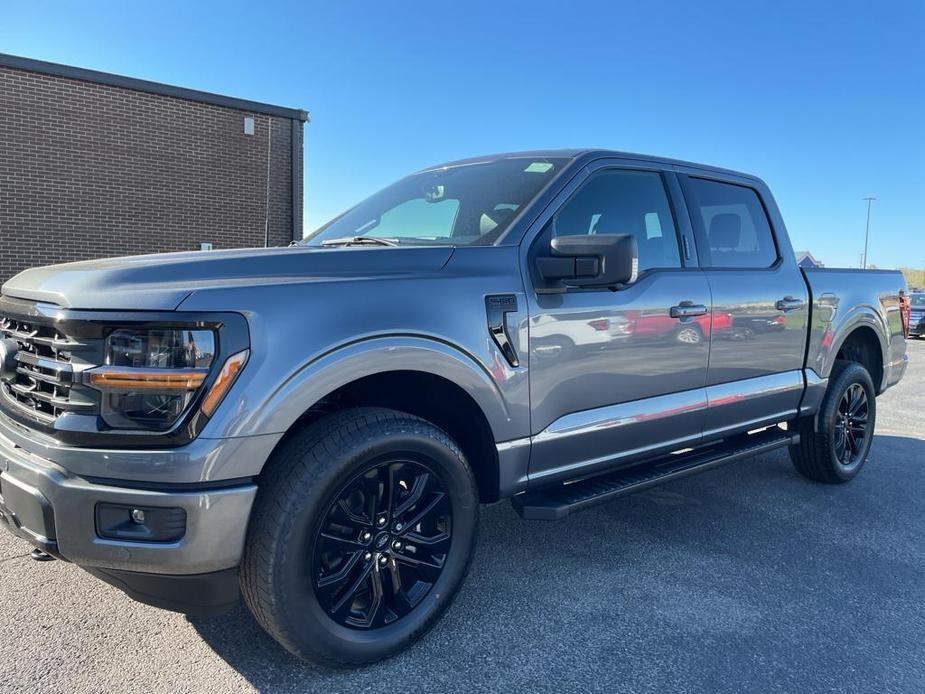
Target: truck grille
[{"x": 43, "y": 380}]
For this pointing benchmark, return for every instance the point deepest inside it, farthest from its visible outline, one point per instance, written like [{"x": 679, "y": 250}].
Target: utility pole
[{"x": 867, "y": 230}]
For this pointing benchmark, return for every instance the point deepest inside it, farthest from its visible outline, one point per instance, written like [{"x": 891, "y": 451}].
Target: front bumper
[{"x": 55, "y": 511}]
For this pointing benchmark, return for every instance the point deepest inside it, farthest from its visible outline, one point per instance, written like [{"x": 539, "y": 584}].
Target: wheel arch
[
  {"x": 862, "y": 343},
  {"x": 419, "y": 376},
  {"x": 837, "y": 321}
]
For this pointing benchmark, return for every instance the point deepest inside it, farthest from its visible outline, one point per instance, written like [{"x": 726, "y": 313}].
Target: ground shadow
[{"x": 748, "y": 576}]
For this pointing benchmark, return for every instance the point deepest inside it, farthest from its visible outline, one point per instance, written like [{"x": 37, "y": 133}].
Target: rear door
[
  {"x": 760, "y": 303},
  {"x": 617, "y": 375}
]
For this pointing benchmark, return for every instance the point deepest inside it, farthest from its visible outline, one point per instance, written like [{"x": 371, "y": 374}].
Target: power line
[{"x": 867, "y": 231}]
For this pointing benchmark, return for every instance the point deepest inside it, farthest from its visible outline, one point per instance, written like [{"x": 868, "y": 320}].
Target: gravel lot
[{"x": 747, "y": 578}]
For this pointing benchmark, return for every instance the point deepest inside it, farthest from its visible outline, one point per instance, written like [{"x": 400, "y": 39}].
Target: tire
[
  {"x": 295, "y": 580},
  {"x": 819, "y": 455}
]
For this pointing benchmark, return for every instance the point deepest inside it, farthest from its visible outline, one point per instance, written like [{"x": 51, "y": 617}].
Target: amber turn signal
[
  {"x": 230, "y": 370},
  {"x": 164, "y": 380}
]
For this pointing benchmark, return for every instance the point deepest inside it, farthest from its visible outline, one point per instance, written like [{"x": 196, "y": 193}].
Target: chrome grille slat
[
  {"x": 18, "y": 334},
  {"x": 57, "y": 402},
  {"x": 63, "y": 370},
  {"x": 58, "y": 343},
  {"x": 32, "y": 410},
  {"x": 22, "y": 389},
  {"x": 40, "y": 376},
  {"x": 55, "y": 342}
]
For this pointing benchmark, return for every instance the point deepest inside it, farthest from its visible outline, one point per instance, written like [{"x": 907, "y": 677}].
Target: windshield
[
  {"x": 917, "y": 300},
  {"x": 468, "y": 204}
]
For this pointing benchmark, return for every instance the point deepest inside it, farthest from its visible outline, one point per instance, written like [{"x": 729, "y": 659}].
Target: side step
[{"x": 558, "y": 501}]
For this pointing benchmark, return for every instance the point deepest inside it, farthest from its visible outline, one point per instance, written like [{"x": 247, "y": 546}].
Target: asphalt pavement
[{"x": 745, "y": 578}]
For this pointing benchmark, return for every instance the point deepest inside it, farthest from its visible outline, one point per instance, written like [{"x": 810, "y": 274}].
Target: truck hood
[{"x": 163, "y": 281}]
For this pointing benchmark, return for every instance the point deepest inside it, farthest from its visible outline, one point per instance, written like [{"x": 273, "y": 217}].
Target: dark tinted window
[
  {"x": 625, "y": 202},
  {"x": 735, "y": 224}
]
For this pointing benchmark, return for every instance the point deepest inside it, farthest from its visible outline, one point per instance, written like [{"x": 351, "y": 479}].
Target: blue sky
[{"x": 825, "y": 101}]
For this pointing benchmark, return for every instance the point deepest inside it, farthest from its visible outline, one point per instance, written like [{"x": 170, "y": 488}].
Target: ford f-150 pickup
[{"x": 314, "y": 427}]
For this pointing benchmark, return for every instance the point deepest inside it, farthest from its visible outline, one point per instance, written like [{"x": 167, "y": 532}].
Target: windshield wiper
[{"x": 360, "y": 241}]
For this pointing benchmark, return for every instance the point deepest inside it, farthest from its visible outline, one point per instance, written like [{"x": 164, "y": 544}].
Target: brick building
[{"x": 94, "y": 164}]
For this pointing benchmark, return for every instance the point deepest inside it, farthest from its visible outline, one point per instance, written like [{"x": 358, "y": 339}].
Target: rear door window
[{"x": 734, "y": 225}]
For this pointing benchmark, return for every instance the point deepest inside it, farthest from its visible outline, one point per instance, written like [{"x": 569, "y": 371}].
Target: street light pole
[{"x": 867, "y": 230}]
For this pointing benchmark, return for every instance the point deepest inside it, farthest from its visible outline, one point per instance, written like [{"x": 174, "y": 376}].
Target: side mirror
[{"x": 590, "y": 260}]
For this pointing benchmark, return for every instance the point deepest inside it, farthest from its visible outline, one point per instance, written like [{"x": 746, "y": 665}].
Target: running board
[{"x": 555, "y": 502}]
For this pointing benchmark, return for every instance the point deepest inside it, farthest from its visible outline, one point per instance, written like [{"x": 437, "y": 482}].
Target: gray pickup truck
[{"x": 315, "y": 427}]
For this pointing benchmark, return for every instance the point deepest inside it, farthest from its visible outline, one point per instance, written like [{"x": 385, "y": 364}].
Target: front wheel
[
  {"x": 362, "y": 533},
  {"x": 835, "y": 448}
]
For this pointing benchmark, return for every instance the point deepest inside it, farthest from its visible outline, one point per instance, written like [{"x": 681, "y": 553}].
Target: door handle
[
  {"x": 788, "y": 303},
  {"x": 687, "y": 309}
]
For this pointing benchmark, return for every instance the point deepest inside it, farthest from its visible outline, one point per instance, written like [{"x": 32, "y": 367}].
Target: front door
[{"x": 618, "y": 375}]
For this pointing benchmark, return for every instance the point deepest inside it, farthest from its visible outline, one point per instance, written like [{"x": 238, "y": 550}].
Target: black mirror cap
[{"x": 617, "y": 257}]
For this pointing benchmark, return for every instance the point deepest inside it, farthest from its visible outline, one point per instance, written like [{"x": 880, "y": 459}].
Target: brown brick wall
[{"x": 89, "y": 170}]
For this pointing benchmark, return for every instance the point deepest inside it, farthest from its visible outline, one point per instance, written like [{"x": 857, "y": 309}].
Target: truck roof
[{"x": 589, "y": 154}]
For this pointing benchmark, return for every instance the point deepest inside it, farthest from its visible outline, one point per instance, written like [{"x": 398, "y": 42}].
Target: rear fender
[{"x": 836, "y": 330}]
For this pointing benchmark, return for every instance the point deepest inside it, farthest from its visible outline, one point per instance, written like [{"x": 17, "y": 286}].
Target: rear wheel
[
  {"x": 362, "y": 533},
  {"x": 834, "y": 449}
]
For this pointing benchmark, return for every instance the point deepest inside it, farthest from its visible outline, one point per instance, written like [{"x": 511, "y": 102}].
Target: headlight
[
  {"x": 152, "y": 375},
  {"x": 161, "y": 348}
]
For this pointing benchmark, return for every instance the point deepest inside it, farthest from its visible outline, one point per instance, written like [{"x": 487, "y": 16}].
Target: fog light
[{"x": 140, "y": 524}]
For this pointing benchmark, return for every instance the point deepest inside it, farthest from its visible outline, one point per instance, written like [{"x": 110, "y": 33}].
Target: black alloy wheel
[
  {"x": 850, "y": 430},
  {"x": 382, "y": 544}
]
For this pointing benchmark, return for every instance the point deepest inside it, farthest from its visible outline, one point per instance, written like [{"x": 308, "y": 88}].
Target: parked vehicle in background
[
  {"x": 917, "y": 314},
  {"x": 318, "y": 425}
]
